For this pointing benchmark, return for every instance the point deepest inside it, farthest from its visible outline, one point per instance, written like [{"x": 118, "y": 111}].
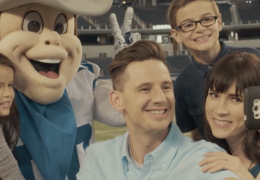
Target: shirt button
[
  {"x": 163, "y": 165},
  {"x": 144, "y": 178},
  {"x": 209, "y": 67},
  {"x": 198, "y": 110}
]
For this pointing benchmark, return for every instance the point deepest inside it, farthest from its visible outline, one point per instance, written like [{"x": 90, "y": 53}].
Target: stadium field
[{"x": 104, "y": 132}]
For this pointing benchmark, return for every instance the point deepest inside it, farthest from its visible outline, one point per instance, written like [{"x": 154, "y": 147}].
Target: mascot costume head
[{"x": 38, "y": 36}]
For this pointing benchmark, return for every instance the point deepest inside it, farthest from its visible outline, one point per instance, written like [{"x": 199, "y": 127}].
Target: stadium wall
[
  {"x": 98, "y": 51},
  {"x": 95, "y": 51}
]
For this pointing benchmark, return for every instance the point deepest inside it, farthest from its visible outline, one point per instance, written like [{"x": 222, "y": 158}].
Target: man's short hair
[
  {"x": 139, "y": 51},
  {"x": 177, "y": 4}
]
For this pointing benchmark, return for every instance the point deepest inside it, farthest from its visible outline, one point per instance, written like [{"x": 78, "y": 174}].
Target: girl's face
[
  {"x": 225, "y": 113},
  {"x": 6, "y": 89}
]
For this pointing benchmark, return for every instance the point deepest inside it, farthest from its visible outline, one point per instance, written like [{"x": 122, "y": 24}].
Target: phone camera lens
[{"x": 255, "y": 108}]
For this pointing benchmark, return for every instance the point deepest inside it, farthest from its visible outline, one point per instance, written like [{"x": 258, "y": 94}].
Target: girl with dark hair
[
  {"x": 224, "y": 116},
  {"x": 9, "y": 122}
]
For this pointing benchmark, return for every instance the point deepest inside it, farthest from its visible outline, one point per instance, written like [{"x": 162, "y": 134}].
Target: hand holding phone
[{"x": 252, "y": 107}]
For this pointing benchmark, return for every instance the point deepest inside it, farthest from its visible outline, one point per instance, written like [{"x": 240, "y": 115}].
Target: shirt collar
[
  {"x": 125, "y": 153},
  {"x": 163, "y": 154},
  {"x": 204, "y": 68}
]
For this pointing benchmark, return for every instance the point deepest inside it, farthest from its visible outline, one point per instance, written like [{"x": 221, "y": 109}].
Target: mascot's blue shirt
[{"x": 50, "y": 136}]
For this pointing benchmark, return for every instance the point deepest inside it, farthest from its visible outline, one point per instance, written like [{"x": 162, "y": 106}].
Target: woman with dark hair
[
  {"x": 9, "y": 122},
  {"x": 224, "y": 116}
]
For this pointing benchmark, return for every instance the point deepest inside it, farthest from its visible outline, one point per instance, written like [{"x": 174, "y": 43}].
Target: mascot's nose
[{"x": 52, "y": 38}]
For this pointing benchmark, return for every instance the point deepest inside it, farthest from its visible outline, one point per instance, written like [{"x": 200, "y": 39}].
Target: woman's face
[
  {"x": 225, "y": 113},
  {"x": 6, "y": 89}
]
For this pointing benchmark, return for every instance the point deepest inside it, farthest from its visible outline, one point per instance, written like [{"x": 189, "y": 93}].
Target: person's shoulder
[
  {"x": 108, "y": 147},
  {"x": 186, "y": 71},
  {"x": 85, "y": 70},
  {"x": 185, "y": 75},
  {"x": 84, "y": 74},
  {"x": 82, "y": 68},
  {"x": 203, "y": 147},
  {"x": 233, "y": 49}
]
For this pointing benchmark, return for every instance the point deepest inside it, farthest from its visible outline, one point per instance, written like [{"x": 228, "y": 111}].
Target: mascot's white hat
[{"x": 77, "y": 7}]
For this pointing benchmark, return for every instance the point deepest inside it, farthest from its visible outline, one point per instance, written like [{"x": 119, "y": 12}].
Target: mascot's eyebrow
[{"x": 30, "y": 8}]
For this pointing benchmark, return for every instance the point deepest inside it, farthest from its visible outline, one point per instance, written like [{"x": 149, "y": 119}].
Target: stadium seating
[
  {"x": 103, "y": 20},
  {"x": 82, "y": 23},
  {"x": 172, "y": 69},
  {"x": 224, "y": 9},
  {"x": 163, "y": 1},
  {"x": 103, "y": 63},
  {"x": 178, "y": 62},
  {"x": 251, "y": 14},
  {"x": 149, "y": 15},
  {"x": 175, "y": 63},
  {"x": 152, "y": 15}
]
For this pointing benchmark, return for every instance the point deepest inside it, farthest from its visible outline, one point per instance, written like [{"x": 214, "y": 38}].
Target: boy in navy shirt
[{"x": 196, "y": 24}]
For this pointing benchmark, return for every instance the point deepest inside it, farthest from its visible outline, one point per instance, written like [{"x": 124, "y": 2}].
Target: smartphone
[{"x": 252, "y": 107}]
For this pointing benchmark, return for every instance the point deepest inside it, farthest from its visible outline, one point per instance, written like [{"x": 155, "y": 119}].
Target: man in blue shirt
[
  {"x": 196, "y": 24},
  {"x": 153, "y": 148}
]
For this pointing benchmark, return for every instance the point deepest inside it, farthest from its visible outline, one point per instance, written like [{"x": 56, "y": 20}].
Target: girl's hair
[
  {"x": 243, "y": 69},
  {"x": 10, "y": 123}
]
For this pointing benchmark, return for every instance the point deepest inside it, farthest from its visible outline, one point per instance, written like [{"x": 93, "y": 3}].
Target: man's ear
[
  {"x": 116, "y": 100},
  {"x": 176, "y": 36},
  {"x": 219, "y": 21}
]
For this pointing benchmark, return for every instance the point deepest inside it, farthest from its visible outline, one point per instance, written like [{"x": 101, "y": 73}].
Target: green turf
[{"x": 104, "y": 132}]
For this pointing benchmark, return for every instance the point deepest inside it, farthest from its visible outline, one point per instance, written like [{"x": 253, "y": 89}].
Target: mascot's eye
[
  {"x": 61, "y": 25},
  {"x": 33, "y": 22}
]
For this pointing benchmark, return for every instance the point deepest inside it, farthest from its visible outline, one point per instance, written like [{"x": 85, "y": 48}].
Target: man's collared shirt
[{"x": 177, "y": 157}]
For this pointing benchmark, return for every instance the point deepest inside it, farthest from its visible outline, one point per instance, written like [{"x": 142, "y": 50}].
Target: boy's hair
[
  {"x": 177, "y": 4},
  {"x": 139, "y": 51}
]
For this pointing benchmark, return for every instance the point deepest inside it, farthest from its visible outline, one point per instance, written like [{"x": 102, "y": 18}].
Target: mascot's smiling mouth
[{"x": 47, "y": 67}]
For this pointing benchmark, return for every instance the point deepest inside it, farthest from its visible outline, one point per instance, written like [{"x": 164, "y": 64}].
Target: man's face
[
  {"x": 148, "y": 98},
  {"x": 201, "y": 38},
  {"x": 40, "y": 41}
]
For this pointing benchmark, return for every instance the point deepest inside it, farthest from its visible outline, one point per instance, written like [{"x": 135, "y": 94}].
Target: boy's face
[{"x": 201, "y": 38}]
